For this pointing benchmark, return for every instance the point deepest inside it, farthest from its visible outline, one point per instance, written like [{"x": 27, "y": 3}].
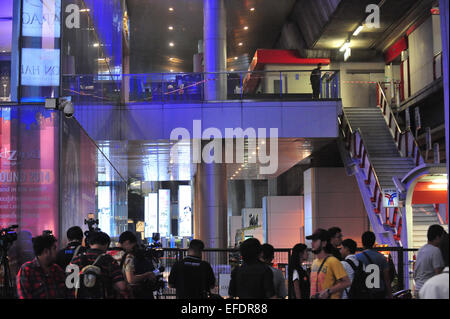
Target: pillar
[
  {"x": 444, "y": 7},
  {"x": 249, "y": 194},
  {"x": 212, "y": 204},
  {"x": 215, "y": 49}
]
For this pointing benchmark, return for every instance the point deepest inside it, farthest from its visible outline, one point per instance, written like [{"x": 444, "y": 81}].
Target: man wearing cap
[{"x": 328, "y": 276}]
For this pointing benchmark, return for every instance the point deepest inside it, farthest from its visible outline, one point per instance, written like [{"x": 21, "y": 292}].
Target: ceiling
[
  {"x": 152, "y": 161},
  {"x": 150, "y": 34}
]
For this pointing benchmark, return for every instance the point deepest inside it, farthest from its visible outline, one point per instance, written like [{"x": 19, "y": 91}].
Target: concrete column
[
  {"x": 212, "y": 204},
  {"x": 215, "y": 49},
  {"x": 444, "y": 7},
  {"x": 249, "y": 194},
  {"x": 272, "y": 187}
]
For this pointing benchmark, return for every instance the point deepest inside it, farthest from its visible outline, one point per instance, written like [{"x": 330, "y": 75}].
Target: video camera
[
  {"x": 8, "y": 236},
  {"x": 92, "y": 226},
  {"x": 154, "y": 253}
]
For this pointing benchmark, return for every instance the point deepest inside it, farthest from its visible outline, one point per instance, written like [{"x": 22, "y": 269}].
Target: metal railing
[
  {"x": 190, "y": 87},
  {"x": 223, "y": 262}
]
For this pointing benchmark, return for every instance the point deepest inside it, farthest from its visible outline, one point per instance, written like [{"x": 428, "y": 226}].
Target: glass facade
[{"x": 6, "y": 40}]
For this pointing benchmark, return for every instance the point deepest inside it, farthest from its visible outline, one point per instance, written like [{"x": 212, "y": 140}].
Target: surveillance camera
[{"x": 68, "y": 109}]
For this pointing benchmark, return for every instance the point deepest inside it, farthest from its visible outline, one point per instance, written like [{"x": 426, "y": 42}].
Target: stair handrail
[
  {"x": 390, "y": 118},
  {"x": 360, "y": 154}
]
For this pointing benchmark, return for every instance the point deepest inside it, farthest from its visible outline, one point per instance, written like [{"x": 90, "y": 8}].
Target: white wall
[
  {"x": 359, "y": 94},
  {"x": 333, "y": 199},
  {"x": 284, "y": 220},
  {"x": 421, "y": 47}
]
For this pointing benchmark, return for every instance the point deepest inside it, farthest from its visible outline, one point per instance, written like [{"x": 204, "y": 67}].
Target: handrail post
[{"x": 401, "y": 271}]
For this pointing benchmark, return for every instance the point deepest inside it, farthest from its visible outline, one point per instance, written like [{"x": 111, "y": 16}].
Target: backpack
[
  {"x": 359, "y": 289},
  {"x": 91, "y": 282}
]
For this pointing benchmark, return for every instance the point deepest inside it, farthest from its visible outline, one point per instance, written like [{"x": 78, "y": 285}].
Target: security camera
[
  {"x": 67, "y": 107},
  {"x": 63, "y": 104}
]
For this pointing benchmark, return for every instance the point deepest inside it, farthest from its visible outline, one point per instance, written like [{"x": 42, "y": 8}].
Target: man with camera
[
  {"x": 41, "y": 278},
  {"x": 73, "y": 248},
  {"x": 137, "y": 267},
  {"x": 193, "y": 278},
  {"x": 110, "y": 276}
]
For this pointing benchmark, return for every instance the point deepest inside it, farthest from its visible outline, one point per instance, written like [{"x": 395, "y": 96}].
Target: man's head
[
  {"x": 434, "y": 234},
  {"x": 127, "y": 241},
  {"x": 335, "y": 236},
  {"x": 99, "y": 240},
  {"x": 320, "y": 241},
  {"x": 319, "y": 66},
  {"x": 268, "y": 252},
  {"x": 250, "y": 250},
  {"x": 368, "y": 239},
  {"x": 75, "y": 234},
  {"x": 45, "y": 248},
  {"x": 196, "y": 247},
  {"x": 348, "y": 247}
]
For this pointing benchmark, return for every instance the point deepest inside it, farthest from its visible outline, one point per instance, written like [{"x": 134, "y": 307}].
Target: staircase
[
  {"x": 423, "y": 217},
  {"x": 377, "y": 152}
]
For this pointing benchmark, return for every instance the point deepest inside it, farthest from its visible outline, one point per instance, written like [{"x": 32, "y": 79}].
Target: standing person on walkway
[
  {"x": 193, "y": 278},
  {"x": 268, "y": 253},
  {"x": 350, "y": 261},
  {"x": 336, "y": 241},
  {"x": 254, "y": 279},
  {"x": 328, "y": 276},
  {"x": 42, "y": 278},
  {"x": 437, "y": 286},
  {"x": 299, "y": 276},
  {"x": 429, "y": 258},
  {"x": 315, "y": 81},
  {"x": 369, "y": 256}
]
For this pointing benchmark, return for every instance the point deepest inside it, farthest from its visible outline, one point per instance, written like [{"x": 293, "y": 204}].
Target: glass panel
[{"x": 6, "y": 36}]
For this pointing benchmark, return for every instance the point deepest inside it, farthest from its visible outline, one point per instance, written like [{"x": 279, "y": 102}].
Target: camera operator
[
  {"x": 193, "y": 278},
  {"x": 111, "y": 275},
  {"x": 73, "y": 248},
  {"x": 137, "y": 268},
  {"x": 41, "y": 278}
]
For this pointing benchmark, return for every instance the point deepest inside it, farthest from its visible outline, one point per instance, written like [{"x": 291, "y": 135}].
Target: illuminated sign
[
  {"x": 41, "y": 18},
  {"x": 104, "y": 208},
  {"x": 151, "y": 214},
  {"x": 164, "y": 212},
  {"x": 40, "y": 67},
  {"x": 184, "y": 211},
  {"x": 390, "y": 198}
]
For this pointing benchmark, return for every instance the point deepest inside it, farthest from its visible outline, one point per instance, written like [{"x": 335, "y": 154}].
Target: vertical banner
[
  {"x": 164, "y": 212},
  {"x": 151, "y": 215},
  {"x": 184, "y": 211}
]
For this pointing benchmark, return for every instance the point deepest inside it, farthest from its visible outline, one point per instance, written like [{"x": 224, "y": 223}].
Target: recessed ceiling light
[
  {"x": 252, "y": 9},
  {"x": 245, "y": 28},
  {"x": 171, "y": 44},
  {"x": 235, "y": 57},
  {"x": 170, "y": 27},
  {"x": 171, "y": 71},
  {"x": 170, "y": 9},
  {"x": 241, "y": 44},
  {"x": 232, "y": 70}
]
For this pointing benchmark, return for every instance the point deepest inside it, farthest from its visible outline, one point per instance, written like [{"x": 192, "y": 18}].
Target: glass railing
[{"x": 192, "y": 87}]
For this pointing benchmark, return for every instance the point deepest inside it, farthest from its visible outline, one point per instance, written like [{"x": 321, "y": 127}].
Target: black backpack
[
  {"x": 359, "y": 289},
  {"x": 92, "y": 283}
]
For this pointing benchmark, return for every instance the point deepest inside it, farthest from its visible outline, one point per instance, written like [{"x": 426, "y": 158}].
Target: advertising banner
[
  {"x": 164, "y": 212},
  {"x": 184, "y": 211},
  {"x": 151, "y": 215}
]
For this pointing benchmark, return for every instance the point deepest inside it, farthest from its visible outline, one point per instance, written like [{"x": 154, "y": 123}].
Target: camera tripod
[{"x": 7, "y": 288}]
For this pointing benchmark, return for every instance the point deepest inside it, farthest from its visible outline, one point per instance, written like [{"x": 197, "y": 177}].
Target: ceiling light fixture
[
  {"x": 348, "y": 54},
  {"x": 171, "y": 44},
  {"x": 245, "y": 28},
  {"x": 170, "y": 27},
  {"x": 358, "y": 30},
  {"x": 241, "y": 44},
  {"x": 252, "y": 9},
  {"x": 235, "y": 57},
  {"x": 345, "y": 46},
  {"x": 96, "y": 45},
  {"x": 170, "y": 9}
]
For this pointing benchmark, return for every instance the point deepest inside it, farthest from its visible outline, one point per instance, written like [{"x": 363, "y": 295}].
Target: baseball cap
[{"x": 321, "y": 234}]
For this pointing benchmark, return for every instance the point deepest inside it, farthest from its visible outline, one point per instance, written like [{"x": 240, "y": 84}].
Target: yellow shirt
[{"x": 331, "y": 272}]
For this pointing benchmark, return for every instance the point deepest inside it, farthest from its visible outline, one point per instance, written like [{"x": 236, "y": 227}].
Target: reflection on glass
[{"x": 6, "y": 29}]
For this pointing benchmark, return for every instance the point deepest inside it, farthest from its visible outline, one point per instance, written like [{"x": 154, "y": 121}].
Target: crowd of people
[{"x": 93, "y": 271}]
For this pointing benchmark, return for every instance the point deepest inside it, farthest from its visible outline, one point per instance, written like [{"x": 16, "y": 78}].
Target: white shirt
[
  {"x": 350, "y": 271},
  {"x": 295, "y": 275},
  {"x": 436, "y": 287}
]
